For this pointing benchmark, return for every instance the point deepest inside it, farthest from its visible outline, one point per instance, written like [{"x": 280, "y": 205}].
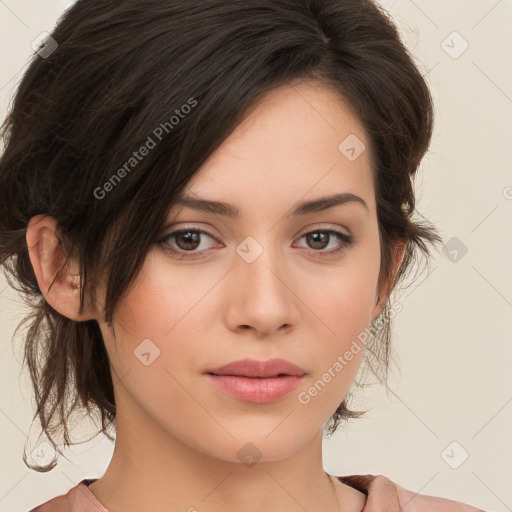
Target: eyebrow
[{"x": 301, "y": 208}]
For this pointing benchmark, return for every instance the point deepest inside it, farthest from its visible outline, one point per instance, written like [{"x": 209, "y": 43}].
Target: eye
[
  {"x": 317, "y": 240},
  {"x": 187, "y": 240},
  {"x": 190, "y": 245}
]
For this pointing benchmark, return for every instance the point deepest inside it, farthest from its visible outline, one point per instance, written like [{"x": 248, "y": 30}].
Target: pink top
[{"x": 382, "y": 496}]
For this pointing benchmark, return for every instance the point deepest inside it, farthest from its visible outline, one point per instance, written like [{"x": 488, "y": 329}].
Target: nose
[{"x": 260, "y": 295}]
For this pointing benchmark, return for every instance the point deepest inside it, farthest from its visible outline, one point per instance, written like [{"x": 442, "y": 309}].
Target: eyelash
[{"x": 347, "y": 242}]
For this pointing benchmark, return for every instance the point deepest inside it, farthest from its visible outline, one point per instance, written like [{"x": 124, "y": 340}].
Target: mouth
[{"x": 257, "y": 381}]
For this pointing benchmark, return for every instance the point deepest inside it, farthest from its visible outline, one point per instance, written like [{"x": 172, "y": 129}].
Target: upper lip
[{"x": 254, "y": 368}]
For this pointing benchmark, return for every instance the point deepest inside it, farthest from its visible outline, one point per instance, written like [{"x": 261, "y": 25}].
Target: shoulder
[
  {"x": 58, "y": 504},
  {"x": 77, "y": 499},
  {"x": 384, "y": 494}
]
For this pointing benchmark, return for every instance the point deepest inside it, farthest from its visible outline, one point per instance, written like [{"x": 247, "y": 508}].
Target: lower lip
[{"x": 256, "y": 390}]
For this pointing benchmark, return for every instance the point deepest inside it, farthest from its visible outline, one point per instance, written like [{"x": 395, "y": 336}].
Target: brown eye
[
  {"x": 186, "y": 241},
  {"x": 189, "y": 243},
  {"x": 319, "y": 240}
]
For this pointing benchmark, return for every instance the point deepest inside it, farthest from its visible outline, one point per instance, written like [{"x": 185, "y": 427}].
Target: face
[{"x": 268, "y": 283}]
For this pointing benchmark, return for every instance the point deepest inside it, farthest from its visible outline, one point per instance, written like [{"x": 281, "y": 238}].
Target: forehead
[{"x": 300, "y": 140}]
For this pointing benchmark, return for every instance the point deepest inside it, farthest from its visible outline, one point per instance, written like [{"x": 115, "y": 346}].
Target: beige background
[{"x": 453, "y": 336}]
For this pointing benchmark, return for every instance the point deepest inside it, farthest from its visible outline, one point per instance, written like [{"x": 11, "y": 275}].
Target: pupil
[
  {"x": 190, "y": 238},
  {"x": 317, "y": 239}
]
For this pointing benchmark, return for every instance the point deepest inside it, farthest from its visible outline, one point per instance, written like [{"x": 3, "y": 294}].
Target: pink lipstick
[{"x": 257, "y": 381}]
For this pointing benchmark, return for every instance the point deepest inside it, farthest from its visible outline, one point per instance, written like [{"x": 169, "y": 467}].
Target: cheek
[
  {"x": 343, "y": 300},
  {"x": 163, "y": 302},
  {"x": 155, "y": 353},
  {"x": 160, "y": 322},
  {"x": 342, "y": 304}
]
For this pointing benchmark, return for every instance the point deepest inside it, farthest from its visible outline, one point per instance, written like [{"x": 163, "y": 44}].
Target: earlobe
[{"x": 57, "y": 283}]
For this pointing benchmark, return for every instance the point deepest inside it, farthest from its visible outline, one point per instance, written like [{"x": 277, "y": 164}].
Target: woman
[{"x": 208, "y": 204}]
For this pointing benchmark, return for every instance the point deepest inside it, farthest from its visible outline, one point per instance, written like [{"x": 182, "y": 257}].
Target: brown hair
[{"x": 124, "y": 70}]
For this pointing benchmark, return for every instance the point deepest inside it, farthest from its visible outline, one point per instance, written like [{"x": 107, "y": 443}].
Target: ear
[
  {"x": 58, "y": 283},
  {"x": 382, "y": 298}
]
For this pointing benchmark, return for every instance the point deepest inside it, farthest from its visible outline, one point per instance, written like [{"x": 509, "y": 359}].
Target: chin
[{"x": 256, "y": 443}]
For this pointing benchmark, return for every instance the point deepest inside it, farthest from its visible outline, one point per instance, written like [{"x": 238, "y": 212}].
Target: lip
[
  {"x": 257, "y": 381},
  {"x": 253, "y": 368}
]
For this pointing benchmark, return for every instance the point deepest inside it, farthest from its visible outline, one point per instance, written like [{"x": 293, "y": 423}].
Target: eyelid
[
  {"x": 171, "y": 228},
  {"x": 323, "y": 226}
]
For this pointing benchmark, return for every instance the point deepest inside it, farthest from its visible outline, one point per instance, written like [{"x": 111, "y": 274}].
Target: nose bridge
[
  {"x": 257, "y": 265},
  {"x": 262, "y": 300}
]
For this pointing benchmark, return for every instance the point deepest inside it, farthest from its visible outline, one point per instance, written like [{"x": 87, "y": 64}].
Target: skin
[{"x": 177, "y": 435}]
